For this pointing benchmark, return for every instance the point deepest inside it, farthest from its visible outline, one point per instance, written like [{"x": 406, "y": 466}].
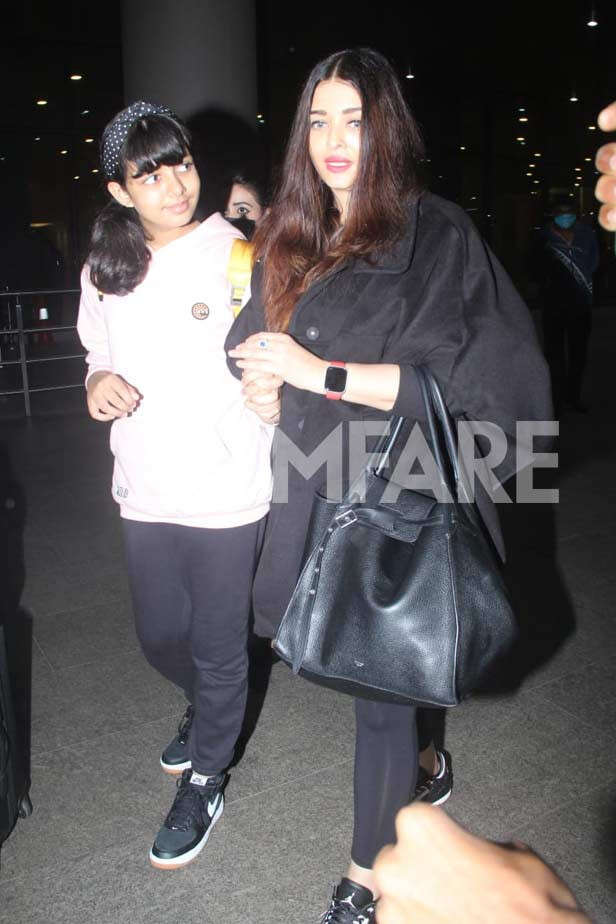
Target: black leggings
[{"x": 386, "y": 764}]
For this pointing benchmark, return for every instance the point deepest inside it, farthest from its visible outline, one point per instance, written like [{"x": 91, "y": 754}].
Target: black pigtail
[{"x": 119, "y": 256}]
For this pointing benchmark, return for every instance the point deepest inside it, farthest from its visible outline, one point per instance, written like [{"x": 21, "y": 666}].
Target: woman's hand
[
  {"x": 262, "y": 393},
  {"x": 280, "y": 355},
  {"x": 110, "y": 396}
]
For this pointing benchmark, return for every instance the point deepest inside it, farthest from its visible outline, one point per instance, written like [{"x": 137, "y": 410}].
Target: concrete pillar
[{"x": 192, "y": 55}]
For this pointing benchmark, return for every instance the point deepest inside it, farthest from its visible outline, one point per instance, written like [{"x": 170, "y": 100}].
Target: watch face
[{"x": 335, "y": 379}]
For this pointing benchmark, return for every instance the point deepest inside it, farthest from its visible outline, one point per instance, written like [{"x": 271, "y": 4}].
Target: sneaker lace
[
  {"x": 188, "y": 805},
  {"x": 342, "y": 911},
  {"x": 184, "y": 726}
]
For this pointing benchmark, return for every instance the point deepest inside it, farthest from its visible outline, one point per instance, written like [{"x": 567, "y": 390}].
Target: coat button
[{"x": 312, "y": 333}]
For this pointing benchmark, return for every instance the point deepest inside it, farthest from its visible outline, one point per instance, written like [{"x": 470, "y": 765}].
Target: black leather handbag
[{"x": 400, "y": 601}]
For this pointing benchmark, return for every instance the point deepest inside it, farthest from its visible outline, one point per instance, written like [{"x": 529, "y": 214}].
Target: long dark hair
[
  {"x": 119, "y": 256},
  {"x": 300, "y": 239}
]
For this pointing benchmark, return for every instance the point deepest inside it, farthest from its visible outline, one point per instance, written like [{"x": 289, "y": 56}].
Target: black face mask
[{"x": 243, "y": 224}]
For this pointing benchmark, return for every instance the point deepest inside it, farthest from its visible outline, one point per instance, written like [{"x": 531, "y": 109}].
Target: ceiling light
[
  {"x": 532, "y": 165},
  {"x": 409, "y": 75},
  {"x": 578, "y": 169},
  {"x": 576, "y": 184},
  {"x": 536, "y": 155},
  {"x": 521, "y": 109},
  {"x": 588, "y": 159},
  {"x": 88, "y": 140},
  {"x": 76, "y": 76},
  {"x": 85, "y": 112},
  {"x": 574, "y": 99},
  {"x": 462, "y": 147},
  {"x": 38, "y": 138},
  {"x": 520, "y": 138},
  {"x": 95, "y": 170},
  {"x": 592, "y": 128},
  {"x": 41, "y": 102},
  {"x": 75, "y": 177},
  {"x": 529, "y": 174},
  {"x": 523, "y": 119},
  {"x": 535, "y": 181},
  {"x": 63, "y": 151}
]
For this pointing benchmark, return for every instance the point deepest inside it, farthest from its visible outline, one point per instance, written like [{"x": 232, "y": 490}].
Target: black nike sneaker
[
  {"x": 350, "y": 903},
  {"x": 175, "y": 759},
  {"x": 196, "y": 808},
  {"x": 436, "y": 789}
]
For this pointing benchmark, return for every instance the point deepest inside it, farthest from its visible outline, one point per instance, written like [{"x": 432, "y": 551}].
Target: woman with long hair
[
  {"x": 361, "y": 275},
  {"x": 192, "y": 474}
]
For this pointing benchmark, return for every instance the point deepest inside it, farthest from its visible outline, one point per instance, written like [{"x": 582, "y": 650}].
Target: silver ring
[{"x": 262, "y": 343}]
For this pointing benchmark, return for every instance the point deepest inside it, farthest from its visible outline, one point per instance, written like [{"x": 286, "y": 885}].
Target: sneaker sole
[
  {"x": 175, "y": 769},
  {"x": 189, "y": 856},
  {"x": 441, "y": 800}
]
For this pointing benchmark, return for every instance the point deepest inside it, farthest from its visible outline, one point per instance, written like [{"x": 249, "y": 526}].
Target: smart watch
[{"x": 335, "y": 380}]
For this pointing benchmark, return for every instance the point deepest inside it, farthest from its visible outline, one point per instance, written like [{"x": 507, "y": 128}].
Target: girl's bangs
[{"x": 155, "y": 141}]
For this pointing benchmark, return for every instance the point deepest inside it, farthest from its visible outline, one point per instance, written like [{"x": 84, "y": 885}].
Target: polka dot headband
[{"x": 116, "y": 132}]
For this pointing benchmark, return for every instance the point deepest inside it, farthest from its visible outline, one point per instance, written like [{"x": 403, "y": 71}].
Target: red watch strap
[{"x": 335, "y": 395}]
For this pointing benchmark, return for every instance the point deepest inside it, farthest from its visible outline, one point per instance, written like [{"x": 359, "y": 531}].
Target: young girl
[
  {"x": 192, "y": 473},
  {"x": 363, "y": 275}
]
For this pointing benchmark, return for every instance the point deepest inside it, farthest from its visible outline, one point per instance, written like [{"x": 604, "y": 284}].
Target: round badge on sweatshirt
[{"x": 200, "y": 311}]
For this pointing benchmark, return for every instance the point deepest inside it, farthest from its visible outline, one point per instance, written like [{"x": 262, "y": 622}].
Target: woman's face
[
  {"x": 335, "y": 136},
  {"x": 243, "y": 203},
  {"x": 165, "y": 200}
]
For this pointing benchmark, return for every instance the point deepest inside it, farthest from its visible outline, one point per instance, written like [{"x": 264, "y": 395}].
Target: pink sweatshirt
[{"x": 191, "y": 453}]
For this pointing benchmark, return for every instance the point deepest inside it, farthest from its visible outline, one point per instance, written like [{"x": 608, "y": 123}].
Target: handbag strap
[
  {"x": 442, "y": 434},
  {"x": 441, "y": 427}
]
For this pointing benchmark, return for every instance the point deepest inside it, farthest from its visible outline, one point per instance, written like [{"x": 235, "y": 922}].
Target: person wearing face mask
[{"x": 568, "y": 258}]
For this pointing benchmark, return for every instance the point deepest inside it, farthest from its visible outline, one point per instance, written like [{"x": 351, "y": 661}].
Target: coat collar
[{"x": 396, "y": 259}]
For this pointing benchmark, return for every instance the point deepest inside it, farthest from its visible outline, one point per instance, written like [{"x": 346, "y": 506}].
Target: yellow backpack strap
[{"x": 239, "y": 272}]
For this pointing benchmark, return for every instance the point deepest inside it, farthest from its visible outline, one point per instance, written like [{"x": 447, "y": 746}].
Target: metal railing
[{"x": 16, "y": 329}]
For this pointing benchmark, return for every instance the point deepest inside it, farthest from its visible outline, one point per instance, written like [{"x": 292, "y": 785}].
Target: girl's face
[
  {"x": 165, "y": 200},
  {"x": 335, "y": 136},
  {"x": 243, "y": 203}
]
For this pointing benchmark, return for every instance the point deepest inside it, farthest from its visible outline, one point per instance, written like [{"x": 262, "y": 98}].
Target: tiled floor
[{"x": 535, "y": 759}]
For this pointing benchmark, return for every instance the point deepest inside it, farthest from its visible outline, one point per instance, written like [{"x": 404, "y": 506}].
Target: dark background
[{"x": 474, "y": 68}]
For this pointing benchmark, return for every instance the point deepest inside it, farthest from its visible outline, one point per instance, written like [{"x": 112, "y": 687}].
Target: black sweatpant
[
  {"x": 191, "y": 590},
  {"x": 386, "y": 765}
]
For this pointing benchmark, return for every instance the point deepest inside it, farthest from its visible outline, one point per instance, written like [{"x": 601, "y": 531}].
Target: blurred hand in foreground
[
  {"x": 438, "y": 873},
  {"x": 605, "y": 161}
]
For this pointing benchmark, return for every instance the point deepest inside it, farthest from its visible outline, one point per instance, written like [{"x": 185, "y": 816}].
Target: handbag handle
[
  {"x": 441, "y": 429},
  {"x": 441, "y": 432}
]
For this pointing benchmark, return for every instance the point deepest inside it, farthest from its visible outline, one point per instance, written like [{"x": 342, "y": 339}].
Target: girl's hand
[
  {"x": 280, "y": 355},
  {"x": 262, "y": 393},
  {"x": 110, "y": 396}
]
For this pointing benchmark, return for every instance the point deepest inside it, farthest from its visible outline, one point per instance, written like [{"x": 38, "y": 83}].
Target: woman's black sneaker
[
  {"x": 196, "y": 808},
  {"x": 175, "y": 759},
  {"x": 351, "y": 903},
  {"x": 436, "y": 789}
]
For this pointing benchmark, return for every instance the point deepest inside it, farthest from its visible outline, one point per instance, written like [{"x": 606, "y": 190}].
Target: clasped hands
[{"x": 268, "y": 360}]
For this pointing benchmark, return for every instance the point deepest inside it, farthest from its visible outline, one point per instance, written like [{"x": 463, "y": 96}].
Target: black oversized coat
[{"x": 438, "y": 297}]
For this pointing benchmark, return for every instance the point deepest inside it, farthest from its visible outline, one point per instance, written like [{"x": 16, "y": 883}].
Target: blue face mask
[{"x": 565, "y": 221}]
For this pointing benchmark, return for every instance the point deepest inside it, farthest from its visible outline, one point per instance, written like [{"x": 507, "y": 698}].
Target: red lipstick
[{"x": 337, "y": 164}]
